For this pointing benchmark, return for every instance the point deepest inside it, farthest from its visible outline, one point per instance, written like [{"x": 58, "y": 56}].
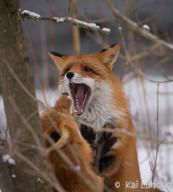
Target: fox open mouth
[{"x": 80, "y": 94}]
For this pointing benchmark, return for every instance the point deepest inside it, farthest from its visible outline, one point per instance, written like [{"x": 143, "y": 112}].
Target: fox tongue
[{"x": 80, "y": 96}]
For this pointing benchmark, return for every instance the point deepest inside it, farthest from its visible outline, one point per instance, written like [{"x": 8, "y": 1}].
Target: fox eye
[{"x": 87, "y": 69}]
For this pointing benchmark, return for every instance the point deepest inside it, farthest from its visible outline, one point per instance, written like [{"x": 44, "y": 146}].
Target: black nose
[
  {"x": 65, "y": 93},
  {"x": 70, "y": 75}
]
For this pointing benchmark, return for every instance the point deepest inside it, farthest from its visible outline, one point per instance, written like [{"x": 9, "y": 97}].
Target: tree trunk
[{"x": 19, "y": 106}]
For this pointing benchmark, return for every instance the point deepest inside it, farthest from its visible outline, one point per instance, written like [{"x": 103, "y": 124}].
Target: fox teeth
[
  {"x": 84, "y": 101},
  {"x": 77, "y": 104}
]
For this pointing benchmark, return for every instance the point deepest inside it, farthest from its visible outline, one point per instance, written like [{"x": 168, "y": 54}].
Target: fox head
[{"x": 85, "y": 77}]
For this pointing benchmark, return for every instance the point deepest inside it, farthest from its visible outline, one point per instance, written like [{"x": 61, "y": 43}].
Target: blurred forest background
[
  {"x": 45, "y": 36},
  {"x": 144, "y": 66}
]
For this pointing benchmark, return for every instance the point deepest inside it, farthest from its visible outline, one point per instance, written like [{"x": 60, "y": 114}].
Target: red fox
[
  {"x": 98, "y": 101},
  {"x": 59, "y": 125}
]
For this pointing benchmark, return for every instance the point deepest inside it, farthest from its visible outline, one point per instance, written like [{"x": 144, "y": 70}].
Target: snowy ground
[{"x": 142, "y": 96}]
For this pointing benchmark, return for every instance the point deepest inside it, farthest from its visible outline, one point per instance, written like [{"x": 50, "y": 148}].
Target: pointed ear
[
  {"x": 57, "y": 58},
  {"x": 110, "y": 55}
]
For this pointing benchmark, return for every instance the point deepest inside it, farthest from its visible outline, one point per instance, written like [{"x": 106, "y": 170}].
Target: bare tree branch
[
  {"x": 136, "y": 28},
  {"x": 90, "y": 26}
]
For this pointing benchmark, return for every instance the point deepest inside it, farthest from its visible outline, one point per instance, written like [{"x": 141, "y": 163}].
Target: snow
[
  {"x": 84, "y": 24},
  {"x": 48, "y": 97},
  {"x": 3, "y": 122},
  {"x": 13, "y": 176},
  {"x": 30, "y": 14},
  {"x": 93, "y": 25},
  {"x": 146, "y": 27},
  {"x": 164, "y": 169},
  {"x": 6, "y": 158},
  {"x": 107, "y": 30},
  {"x": 40, "y": 180},
  {"x": 142, "y": 97},
  {"x": 59, "y": 19},
  {"x": 119, "y": 28}
]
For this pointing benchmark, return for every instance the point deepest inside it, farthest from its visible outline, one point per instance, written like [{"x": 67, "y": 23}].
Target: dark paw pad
[
  {"x": 105, "y": 162},
  {"x": 88, "y": 134},
  {"x": 55, "y": 136}
]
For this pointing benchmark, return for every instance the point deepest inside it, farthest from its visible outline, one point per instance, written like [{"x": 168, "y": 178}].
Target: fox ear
[
  {"x": 110, "y": 55},
  {"x": 57, "y": 58}
]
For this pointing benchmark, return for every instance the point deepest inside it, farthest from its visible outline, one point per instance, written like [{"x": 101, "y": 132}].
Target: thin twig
[
  {"x": 157, "y": 139},
  {"x": 89, "y": 26},
  {"x": 136, "y": 28}
]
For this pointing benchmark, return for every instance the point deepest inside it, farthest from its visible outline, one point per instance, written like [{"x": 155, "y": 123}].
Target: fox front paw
[{"x": 106, "y": 161}]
